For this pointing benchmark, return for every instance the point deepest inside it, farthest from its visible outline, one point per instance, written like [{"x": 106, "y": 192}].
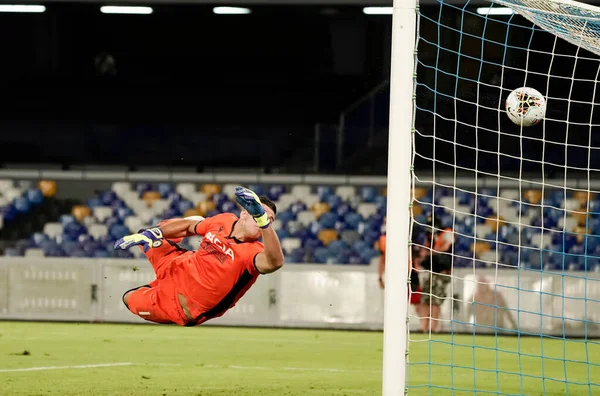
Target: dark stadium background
[{"x": 186, "y": 87}]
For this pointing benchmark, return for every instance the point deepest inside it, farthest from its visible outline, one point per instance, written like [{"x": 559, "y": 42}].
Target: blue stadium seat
[
  {"x": 324, "y": 192},
  {"x": 297, "y": 255},
  {"x": 257, "y": 188},
  {"x": 108, "y": 197},
  {"x": 123, "y": 213},
  {"x": 227, "y": 206},
  {"x": 298, "y": 207},
  {"x": 311, "y": 244},
  {"x": 320, "y": 255},
  {"x": 368, "y": 194},
  {"x": 327, "y": 220},
  {"x": 275, "y": 191},
  {"x": 334, "y": 202},
  {"x": 286, "y": 216},
  {"x": 165, "y": 189},
  {"x": 352, "y": 220},
  {"x": 141, "y": 188}
]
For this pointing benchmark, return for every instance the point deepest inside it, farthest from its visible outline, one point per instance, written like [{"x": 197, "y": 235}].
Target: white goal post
[
  {"x": 572, "y": 24},
  {"x": 402, "y": 83}
]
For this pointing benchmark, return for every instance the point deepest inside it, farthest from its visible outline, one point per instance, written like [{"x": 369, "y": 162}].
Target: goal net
[{"x": 511, "y": 306}]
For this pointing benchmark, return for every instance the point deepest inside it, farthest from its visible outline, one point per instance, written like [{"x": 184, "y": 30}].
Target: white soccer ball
[{"x": 525, "y": 106}]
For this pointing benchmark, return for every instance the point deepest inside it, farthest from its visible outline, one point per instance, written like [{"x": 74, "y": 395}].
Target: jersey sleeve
[
  {"x": 202, "y": 226},
  {"x": 250, "y": 254}
]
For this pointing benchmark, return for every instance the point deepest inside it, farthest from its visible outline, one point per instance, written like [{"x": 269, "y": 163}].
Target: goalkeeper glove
[
  {"x": 251, "y": 203},
  {"x": 144, "y": 238}
]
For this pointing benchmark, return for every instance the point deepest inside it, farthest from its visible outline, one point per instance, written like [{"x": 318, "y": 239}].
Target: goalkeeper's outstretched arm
[
  {"x": 180, "y": 228},
  {"x": 272, "y": 258}
]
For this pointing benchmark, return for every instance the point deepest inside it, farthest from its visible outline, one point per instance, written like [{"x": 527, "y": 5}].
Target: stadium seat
[
  {"x": 229, "y": 190},
  {"x": 327, "y": 235},
  {"x": 568, "y": 224},
  {"x": 480, "y": 247},
  {"x": 350, "y": 236},
  {"x": 319, "y": 208},
  {"x": 286, "y": 215},
  {"x": 328, "y": 220},
  {"x": 145, "y": 216},
  {"x": 297, "y": 255},
  {"x": 186, "y": 189},
  {"x": 191, "y": 212},
  {"x": 533, "y": 196},
  {"x": 284, "y": 201},
  {"x": 571, "y": 204},
  {"x": 540, "y": 240},
  {"x": 80, "y": 212},
  {"x": 101, "y": 213},
  {"x": 295, "y": 226},
  {"x": 345, "y": 192},
  {"x": 274, "y": 191},
  {"x": 368, "y": 194},
  {"x": 197, "y": 197},
  {"x": 306, "y": 217},
  {"x": 289, "y": 244},
  {"x": 366, "y": 209},
  {"x": 277, "y": 224},
  {"x": 300, "y": 191},
  {"x": 53, "y": 229},
  {"x": 120, "y": 188},
  {"x": 489, "y": 257},
  {"x": 6, "y": 184},
  {"x": 98, "y": 230},
  {"x": 310, "y": 200},
  {"x": 159, "y": 205},
  {"x": 204, "y": 207},
  {"x": 210, "y": 189},
  {"x": 134, "y": 223},
  {"x": 12, "y": 193},
  {"x": 47, "y": 187},
  {"x": 150, "y": 196}
]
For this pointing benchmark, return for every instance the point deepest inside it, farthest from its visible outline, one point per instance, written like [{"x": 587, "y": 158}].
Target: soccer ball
[{"x": 525, "y": 106}]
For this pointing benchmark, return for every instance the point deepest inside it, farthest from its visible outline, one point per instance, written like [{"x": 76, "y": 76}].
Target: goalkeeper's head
[{"x": 250, "y": 228}]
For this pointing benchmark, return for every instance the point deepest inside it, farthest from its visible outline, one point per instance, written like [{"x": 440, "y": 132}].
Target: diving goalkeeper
[{"x": 192, "y": 287}]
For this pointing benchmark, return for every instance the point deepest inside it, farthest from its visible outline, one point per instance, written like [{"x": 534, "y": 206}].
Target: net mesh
[{"x": 506, "y": 219}]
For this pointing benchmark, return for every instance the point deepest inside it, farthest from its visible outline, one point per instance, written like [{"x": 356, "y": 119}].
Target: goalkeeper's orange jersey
[{"x": 219, "y": 273}]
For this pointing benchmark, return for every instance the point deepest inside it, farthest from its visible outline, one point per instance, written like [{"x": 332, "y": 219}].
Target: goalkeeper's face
[{"x": 251, "y": 229}]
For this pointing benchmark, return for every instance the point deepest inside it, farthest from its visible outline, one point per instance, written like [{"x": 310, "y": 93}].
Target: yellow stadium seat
[
  {"x": 533, "y": 196},
  {"x": 319, "y": 208},
  {"x": 582, "y": 218},
  {"x": 580, "y": 233},
  {"x": 326, "y": 236},
  {"x": 150, "y": 196},
  {"x": 480, "y": 247},
  {"x": 417, "y": 209},
  {"x": 419, "y": 192},
  {"x": 80, "y": 212},
  {"x": 47, "y": 187},
  {"x": 192, "y": 212},
  {"x": 583, "y": 197},
  {"x": 204, "y": 207},
  {"x": 211, "y": 189},
  {"x": 495, "y": 223}
]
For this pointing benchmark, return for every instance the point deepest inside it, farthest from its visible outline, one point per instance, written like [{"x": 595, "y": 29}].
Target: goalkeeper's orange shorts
[{"x": 157, "y": 301}]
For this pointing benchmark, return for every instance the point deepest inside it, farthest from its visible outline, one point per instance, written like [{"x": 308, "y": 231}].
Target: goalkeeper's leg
[{"x": 155, "y": 302}]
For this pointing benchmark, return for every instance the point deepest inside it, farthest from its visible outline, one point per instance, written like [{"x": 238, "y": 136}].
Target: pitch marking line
[
  {"x": 316, "y": 369},
  {"x": 83, "y": 366}
]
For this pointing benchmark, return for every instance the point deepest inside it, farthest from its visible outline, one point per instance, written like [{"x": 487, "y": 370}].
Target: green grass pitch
[{"x": 103, "y": 359}]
